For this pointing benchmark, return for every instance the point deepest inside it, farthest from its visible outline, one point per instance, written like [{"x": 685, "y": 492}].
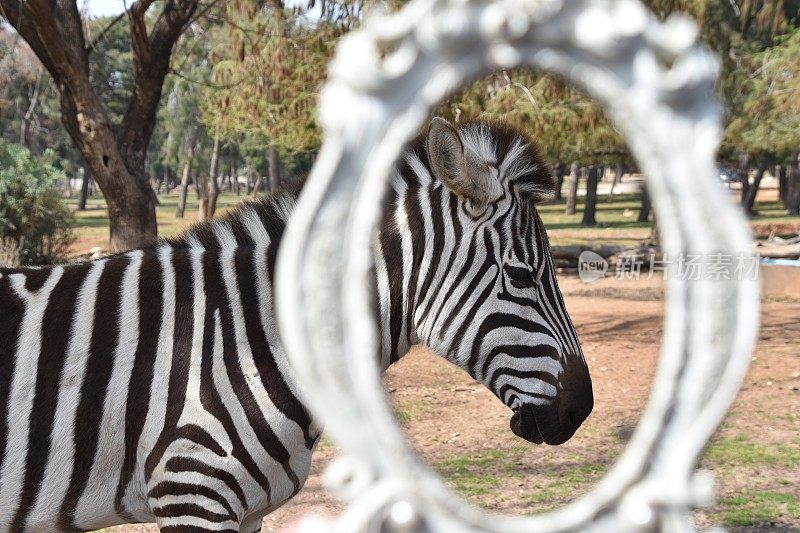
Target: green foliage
[
  {"x": 770, "y": 121},
  {"x": 32, "y": 214},
  {"x": 467, "y": 473},
  {"x": 408, "y": 410},
  {"x": 565, "y": 485},
  {"x": 477, "y": 475},
  {"x": 22, "y": 77},
  {"x": 268, "y": 90},
  {"x": 748, "y": 508},
  {"x": 567, "y": 125},
  {"x": 110, "y": 68},
  {"x": 403, "y": 417},
  {"x": 740, "y": 450},
  {"x": 254, "y": 70}
]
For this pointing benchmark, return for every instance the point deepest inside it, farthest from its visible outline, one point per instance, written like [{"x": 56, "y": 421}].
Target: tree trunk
[
  {"x": 209, "y": 192},
  {"x": 644, "y": 211},
  {"x": 87, "y": 177},
  {"x": 201, "y": 185},
  {"x": 783, "y": 182},
  {"x": 115, "y": 153},
  {"x": 750, "y": 198},
  {"x": 744, "y": 174},
  {"x": 235, "y": 178},
  {"x": 274, "y": 169},
  {"x": 28, "y": 118},
  {"x": 185, "y": 180},
  {"x": 558, "y": 170},
  {"x": 617, "y": 179},
  {"x": 257, "y": 185},
  {"x": 213, "y": 196},
  {"x": 793, "y": 189},
  {"x": 123, "y": 182},
  {"x": 572, "y": 193},
  {"x": 653, "y": 238},
  {"x": 590, "y": 207}
]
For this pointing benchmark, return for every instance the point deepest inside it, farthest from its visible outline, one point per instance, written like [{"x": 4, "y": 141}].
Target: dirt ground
[{"x": 462, "y": 430}]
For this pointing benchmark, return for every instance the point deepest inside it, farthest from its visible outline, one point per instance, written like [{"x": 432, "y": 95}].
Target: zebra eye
[{"x": 521, "y": 277}]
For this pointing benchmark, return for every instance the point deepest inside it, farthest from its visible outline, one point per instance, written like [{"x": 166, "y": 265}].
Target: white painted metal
[{"x": 657, "y": 85}]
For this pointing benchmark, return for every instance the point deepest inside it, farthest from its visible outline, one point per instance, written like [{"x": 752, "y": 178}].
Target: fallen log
[{"x": 778, "y": 251}]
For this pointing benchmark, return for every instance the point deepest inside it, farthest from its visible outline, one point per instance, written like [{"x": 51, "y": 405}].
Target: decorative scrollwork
[{"x": 657, "y": 85}]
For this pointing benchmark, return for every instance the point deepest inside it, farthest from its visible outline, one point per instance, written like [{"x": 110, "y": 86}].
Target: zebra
[{"x": 152, "y": 386}]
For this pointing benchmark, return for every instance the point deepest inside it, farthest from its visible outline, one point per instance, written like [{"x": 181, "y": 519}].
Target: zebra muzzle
[{"x": 523, "y": 424}]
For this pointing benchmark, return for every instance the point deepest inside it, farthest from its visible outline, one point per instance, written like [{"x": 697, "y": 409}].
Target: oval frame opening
[{"x": 657, "y": 86}]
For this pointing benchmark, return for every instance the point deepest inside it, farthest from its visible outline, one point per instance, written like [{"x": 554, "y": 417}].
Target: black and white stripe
[
  {"x": 465, "y": 268},
  {"x": 152, "y": 386}
]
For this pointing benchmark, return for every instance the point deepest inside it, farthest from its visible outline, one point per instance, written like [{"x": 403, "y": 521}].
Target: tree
[
  {"x": 572, "y": 192},
  {"x": 767, "y": 130},
  {"x": 274, "y": 169},
  {"x": 591, "y": 197},
  {"x": 208, "y": 186},
  {"x": 267, "y": 76},
  {"x": 644, "y": 210},
  {"x": 187, "y": 167},
  {"x": 564, "y": 123},
  {"x": 749, "y": 198},
  {"x": 84, "y": 194},
  {"x": 34, "y": 221},
  {"x": 29, "y": 104},
  {"x": 618, "y": 171},
  {"x": 115, "y": 152}
]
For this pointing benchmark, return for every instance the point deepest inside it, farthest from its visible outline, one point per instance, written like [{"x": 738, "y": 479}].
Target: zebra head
[{"x": 481, "y": 281}]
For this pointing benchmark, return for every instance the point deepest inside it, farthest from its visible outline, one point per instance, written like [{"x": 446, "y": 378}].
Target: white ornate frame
[{"x": 657, "y": 85}]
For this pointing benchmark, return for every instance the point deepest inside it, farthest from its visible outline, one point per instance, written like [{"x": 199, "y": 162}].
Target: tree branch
[
  {"x": 203, "y": 83},
  {"x": 93, "y": 45},
  {"x": 150, "y": 58},
  {"x": 22, "y": 23},
  {"x": 140, "y": 45}
]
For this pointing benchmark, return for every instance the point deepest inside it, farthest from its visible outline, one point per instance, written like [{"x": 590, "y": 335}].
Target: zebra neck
[{"x": 413, "y": 253}]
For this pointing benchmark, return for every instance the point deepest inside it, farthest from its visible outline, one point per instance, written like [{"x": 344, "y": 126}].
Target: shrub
[{"x": 34, "y": 221}]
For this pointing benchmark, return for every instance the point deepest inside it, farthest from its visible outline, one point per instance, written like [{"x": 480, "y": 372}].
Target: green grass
[
  {"x": 478, "y": 475},
  {"x": 403, "y": 417},
  {"x": 468, "y": 473},
  {"x": 748, "y": 508},
  {"x": 91, "y": 225},
  {"x": 565, "y": 485},
  {"x": 407, "y": 410},
  {"x": 607, "y": 213},
  {"x": 740, "y": 450},
  {"x": 616, "y": 220},
  {"x": 325, "y": 442},
  {"x": 771, "y": 212}
]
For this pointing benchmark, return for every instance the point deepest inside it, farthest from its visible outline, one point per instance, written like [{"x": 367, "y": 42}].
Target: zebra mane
[
  {"x": 241, "y": 224},
  {"x": 514, "y": 152}
]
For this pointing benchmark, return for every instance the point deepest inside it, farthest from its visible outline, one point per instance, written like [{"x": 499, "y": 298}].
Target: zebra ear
[{"x": 453, "y": 164}]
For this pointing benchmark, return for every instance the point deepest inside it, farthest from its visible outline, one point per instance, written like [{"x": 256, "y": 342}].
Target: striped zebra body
[
  {"x": 152, "y": 386},
  {"x": 149, "y": 386}
]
